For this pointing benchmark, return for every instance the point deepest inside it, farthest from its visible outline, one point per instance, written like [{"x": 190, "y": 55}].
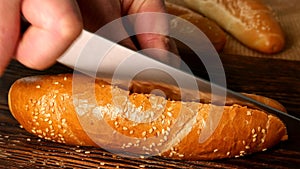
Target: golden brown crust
[
  {"x": 213, "y": 32},
  {"x": 268, "y": 101},
  {"x": 53, "y": 108},
  {"x": 250, "y": 21}
]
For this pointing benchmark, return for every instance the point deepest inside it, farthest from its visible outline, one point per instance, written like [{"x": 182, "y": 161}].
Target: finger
[
  {"x": 152, "y": 29},
  {"x": 100, "y": 17},
  {"x": 55, "y": 24},
  {"x": 9, "y": 30}
]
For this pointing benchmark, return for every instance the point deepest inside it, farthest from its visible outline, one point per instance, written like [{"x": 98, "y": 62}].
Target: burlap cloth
[{"x": 287, "y": 13}]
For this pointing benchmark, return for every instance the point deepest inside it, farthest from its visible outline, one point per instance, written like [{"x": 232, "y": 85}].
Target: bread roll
[
  {"x": 213, "y": 32},
  {"x": 249, "y": 21},
  {"x": 54, "y": 108}
]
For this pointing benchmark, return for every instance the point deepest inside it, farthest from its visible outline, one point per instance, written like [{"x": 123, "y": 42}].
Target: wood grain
[{"x": 274, "y": 78}]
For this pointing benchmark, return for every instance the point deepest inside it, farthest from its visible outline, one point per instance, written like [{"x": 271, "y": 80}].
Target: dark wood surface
[{"x": 274, "y": 78}]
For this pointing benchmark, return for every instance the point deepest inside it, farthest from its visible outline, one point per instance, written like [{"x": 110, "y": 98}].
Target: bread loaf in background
[
  {"x": 49, "y": 107},
  {"x": 213, "y": 32},
  {"x": 249, "y": 21}
]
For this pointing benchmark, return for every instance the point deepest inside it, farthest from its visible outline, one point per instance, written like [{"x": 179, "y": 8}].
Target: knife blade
[{"x": 96, "y": 56}]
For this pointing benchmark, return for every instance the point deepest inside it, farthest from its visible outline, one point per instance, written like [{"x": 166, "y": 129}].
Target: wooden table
[{"x": 274, "y": 78}]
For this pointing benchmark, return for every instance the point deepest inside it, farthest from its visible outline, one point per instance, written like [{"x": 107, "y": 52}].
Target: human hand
[
  {"x": 54, "y": 24},
  {"x": 99, "y": 13}
]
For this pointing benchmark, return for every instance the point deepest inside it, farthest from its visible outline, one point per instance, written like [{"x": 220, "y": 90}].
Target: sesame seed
[
  {"x": 28, "y": 139},
  {"x": 254, "y": 135},
  {"x": 244, "y": 142},
  {"x": 138, "y": 141},
  {"x": 254, "y": 139},
  {"x": 145, "y": 148},
  {"x": 123, "y": 146},
  {"x": 38, "y": 86},
  {"x": 253, "y": 131},
  {"x": 228, "y": 153},
  {"x": 247, "y": 147},
  {"x": 258, "y": 128},
  {"x": 169, "y": 122},
  {"x": 63, "y": 121},
  {"x": 263, "y": 131},
  {"x": 262, "y": 140},
  {"x": 131, "y": 132},
  {"x": 249, "y": 113},
  {"x": 163, "y": 131},
  {"x": 265, "y": 149},
  {"x": 51, "y": 104},
  {"x": 181, "y": 155},
  {"x": 150, "y": 130},
  {"x": 169, "y": 114},
  {"x": 87, "y": 152},
  {"x": 78, "y": 151},
  {"x": 144, "y": 133},
  {"x": 216, "y": 150}
]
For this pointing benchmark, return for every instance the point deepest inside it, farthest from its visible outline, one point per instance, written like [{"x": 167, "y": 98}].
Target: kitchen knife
[{"x": 96, "y": 56}]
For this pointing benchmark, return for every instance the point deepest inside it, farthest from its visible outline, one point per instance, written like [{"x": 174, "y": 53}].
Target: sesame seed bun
[
  {"x": 251, "y": 22},
  {"x": 139, "y": 124},
  {"x": 213, "y": 31}
]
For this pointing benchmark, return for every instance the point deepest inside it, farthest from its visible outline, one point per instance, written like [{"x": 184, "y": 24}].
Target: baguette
[
  {"x": 249, "y": 21},
  {"x": 52, "y": 108},
  {"x": 213, "y": 32}
]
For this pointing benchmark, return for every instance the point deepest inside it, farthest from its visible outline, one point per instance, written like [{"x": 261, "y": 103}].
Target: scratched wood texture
[{"x": 274, "y": 78}]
